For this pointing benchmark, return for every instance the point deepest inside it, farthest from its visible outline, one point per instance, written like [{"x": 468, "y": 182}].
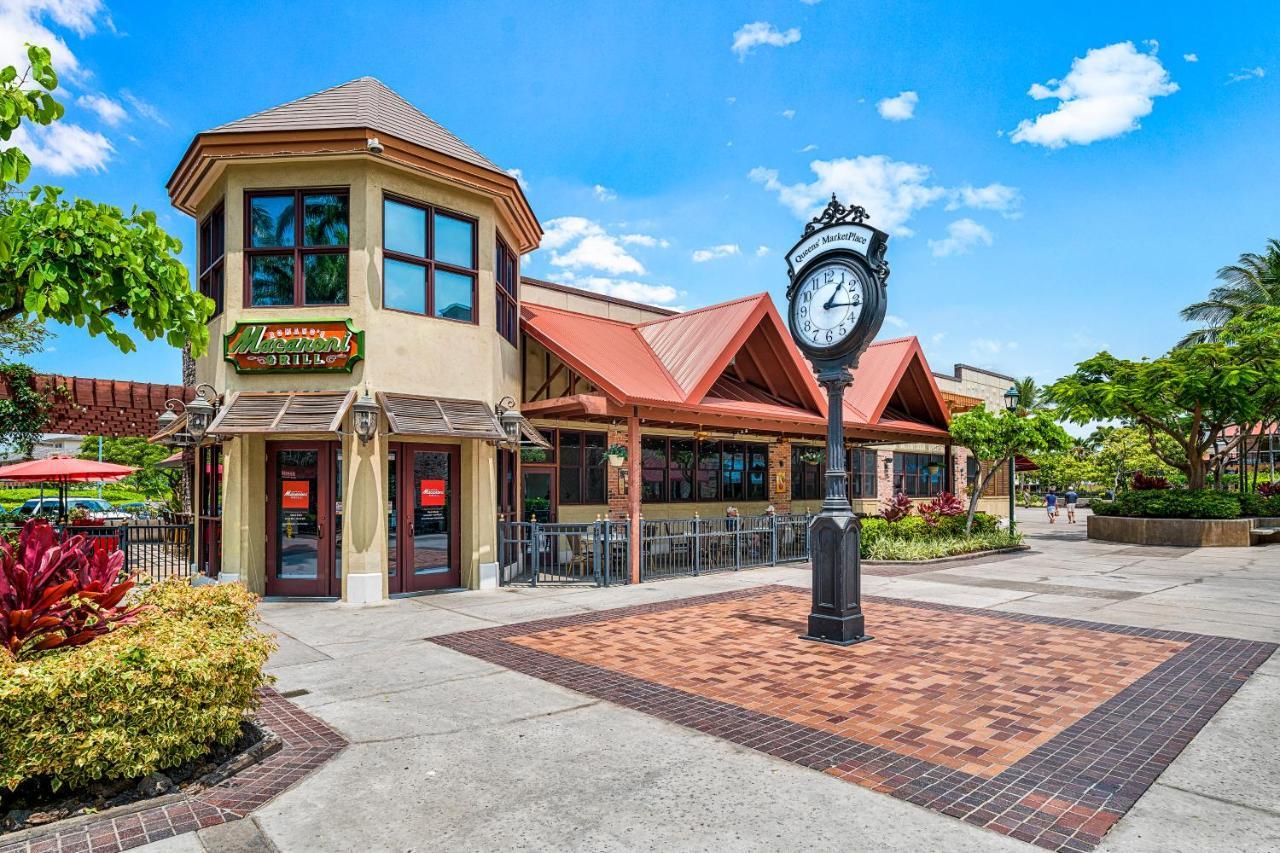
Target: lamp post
[{"x": 1011, "y": 405}]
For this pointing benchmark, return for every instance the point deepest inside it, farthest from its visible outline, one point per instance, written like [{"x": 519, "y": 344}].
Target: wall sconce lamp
[
  {"x": 364, "y": 415},
  {"x": 510, "y": 419},
  {"x": 199, "y": 411}
]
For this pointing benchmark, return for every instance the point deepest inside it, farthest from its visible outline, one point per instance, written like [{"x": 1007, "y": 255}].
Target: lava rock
[
  {"x": 15, "y": 819},
  {"x": 154, "y": 784}
]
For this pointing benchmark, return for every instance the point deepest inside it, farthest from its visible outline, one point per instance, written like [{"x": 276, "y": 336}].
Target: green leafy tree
[
  {"x": 1190, "y": 398},
  {"x": 154, "y": 483},
  {"x": 1072, "y": 466},
  {"x": 79, "y": 262},
  {"x": 995, "y": 438},
  {"x": 1247, "y": 286}
]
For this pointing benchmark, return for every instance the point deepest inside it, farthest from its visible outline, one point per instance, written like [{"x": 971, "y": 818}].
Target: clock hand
[{"x": 832, "y": 301}]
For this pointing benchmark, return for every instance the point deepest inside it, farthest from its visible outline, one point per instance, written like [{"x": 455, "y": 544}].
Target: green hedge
[
  {"x": 11, "y": 499},
  {"x": 145, "y": 697},
  {"x": 1255, "y": 504},
  {"x": 936, "y": 547},
  {"x": 913, "y": 528},
  {"x": 1172, "y": 503}
]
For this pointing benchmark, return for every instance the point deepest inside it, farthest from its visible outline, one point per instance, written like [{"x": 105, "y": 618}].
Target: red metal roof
[{"x": 695, "y": 362}]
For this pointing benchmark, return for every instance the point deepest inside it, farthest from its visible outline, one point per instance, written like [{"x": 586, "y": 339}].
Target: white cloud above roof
[
  {"x": 1243, "y": 74},
  {"x": 1103, "y": 96},
  {"x": 761, "y": 33},
  {"x": 712, "y": 253},
  {"x": 64, "y": 149},
  {"x": 1001, "y": 198},
  {"x": 900, "y": 108},
  {"x": 23, "y": 22}
]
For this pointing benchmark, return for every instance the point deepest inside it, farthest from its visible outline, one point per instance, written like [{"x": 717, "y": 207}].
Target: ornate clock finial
[{"x": 836, "y": 212}]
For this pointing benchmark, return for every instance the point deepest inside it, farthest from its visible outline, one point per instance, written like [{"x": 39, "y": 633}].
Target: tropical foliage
[
  {"x": 1248, "y": 285},
  {"x": 146, "y": 697},
  {"x": 153, "y": 483}
]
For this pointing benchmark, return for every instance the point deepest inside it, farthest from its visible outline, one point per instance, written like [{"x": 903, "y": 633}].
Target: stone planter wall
[{"x": 1179, "y": 532}]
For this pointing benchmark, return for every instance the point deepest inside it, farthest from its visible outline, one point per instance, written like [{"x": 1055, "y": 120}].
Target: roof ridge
[
  {"x": 538, "y": 306},
  {"x": 898, "y": 340},
  {"x": 704, "y": 308}
]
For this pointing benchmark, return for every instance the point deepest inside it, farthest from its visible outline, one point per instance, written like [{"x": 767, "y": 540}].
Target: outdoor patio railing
[
  {"x": 152, "y": 550},
  {"x": 599, "y": 552}
]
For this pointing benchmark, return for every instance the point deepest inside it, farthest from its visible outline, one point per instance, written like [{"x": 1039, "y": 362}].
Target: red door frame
[
  {"x": 325, "y": 584},
  {"x": 404, "y": 580}
]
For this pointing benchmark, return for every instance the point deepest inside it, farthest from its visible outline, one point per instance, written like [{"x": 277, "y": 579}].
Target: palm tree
[
  {"x": 1031, "y": 396},
  {"x": 1251, "y": 284}
]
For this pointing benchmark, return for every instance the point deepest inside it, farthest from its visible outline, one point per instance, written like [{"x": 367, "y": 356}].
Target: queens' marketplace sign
[{"x": 852, "y": 238}]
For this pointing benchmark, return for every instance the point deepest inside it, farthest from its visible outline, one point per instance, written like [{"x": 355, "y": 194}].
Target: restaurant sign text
[{"x": 316, "y": 346}]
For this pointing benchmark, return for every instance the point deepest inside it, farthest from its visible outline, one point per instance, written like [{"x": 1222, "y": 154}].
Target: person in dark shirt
[
  {"x": 1051, "y": 505},
  {"x": 1071, "y": 497}
]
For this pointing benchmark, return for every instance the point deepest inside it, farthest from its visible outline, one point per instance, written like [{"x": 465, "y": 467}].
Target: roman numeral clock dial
[{"x": 827, "y": 305}]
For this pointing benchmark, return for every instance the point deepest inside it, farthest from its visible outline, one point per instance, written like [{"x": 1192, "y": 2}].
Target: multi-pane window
[
  {"x": 429, "y": 261},
  {"x": 296, "y": 245},
  {"x": 506, "y": 274},
  {"x": 808, "y": 469},
  {"x": 679, "y": 469},
  {"x": 862, "y": 473},
  {"x": 210, "y": 268},
  {"x": 582, "y": 467},
  {"x": 918, "y": 475}
]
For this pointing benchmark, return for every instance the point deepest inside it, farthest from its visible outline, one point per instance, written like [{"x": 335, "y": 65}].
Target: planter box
[{"x": 1177, "y": 532}]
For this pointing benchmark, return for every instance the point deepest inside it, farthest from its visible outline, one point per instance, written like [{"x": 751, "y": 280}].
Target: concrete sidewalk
[{"x": 449, "y": 752}]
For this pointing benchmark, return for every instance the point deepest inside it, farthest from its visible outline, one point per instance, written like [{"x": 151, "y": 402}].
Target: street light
[
  {"x": 365, "y": 414},
  {"x": 1011, "y": 405}
]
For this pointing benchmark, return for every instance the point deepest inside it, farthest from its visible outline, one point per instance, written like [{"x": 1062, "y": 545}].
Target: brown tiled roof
[{"x": 367, "y": 103}]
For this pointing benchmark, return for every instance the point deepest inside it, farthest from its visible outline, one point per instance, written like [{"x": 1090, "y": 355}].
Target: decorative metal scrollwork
[{"x": 836, "y": 212}]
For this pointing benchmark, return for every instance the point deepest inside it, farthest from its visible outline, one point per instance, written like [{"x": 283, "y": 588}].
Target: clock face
[{"x": 827, "y": 305}]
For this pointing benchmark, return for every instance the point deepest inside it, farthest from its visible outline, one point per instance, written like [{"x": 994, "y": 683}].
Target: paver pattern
[
  {"x": 1045, "y": 729},
  {"x": 308, "y": 743}
]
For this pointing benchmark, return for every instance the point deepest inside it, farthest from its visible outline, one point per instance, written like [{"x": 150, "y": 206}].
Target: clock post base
[
  {"x": 836, "y": 630},
  {"x": 836, "y": 616}
]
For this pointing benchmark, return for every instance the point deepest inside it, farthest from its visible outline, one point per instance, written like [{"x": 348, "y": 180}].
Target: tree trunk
[
  {"x": 977, "y": 493},
  {"x": 1195, "y": 473}
]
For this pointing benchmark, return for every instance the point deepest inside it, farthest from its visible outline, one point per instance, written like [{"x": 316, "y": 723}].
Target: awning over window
[
  {"x": 282, "y": 412},
  {"x": 409, "y": 414},
  {"x": 530, "y": 434},
  {"x": 170, "y": 431}
]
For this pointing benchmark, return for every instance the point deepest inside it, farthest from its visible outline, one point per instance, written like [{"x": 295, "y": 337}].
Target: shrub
[
  {"x": 146, "y": 697},
  {"x": 894, "y": 548},
  {"x": 953, "y": 525},
  {"x": 1260, "y": 503},
  {"x": 945, "y": 505},
  {"x": 1269, "y": 490},
  {"x": 55, "y": 594},
  {"x": 1173, "y": 503},
  {"x": 1143, "y": 483},
  {"x": 896, "y": 508}
]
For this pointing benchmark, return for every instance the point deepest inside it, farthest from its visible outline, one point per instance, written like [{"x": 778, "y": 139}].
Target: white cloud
[
  {"x": 750, "y": 36},
  {"x": 900, "y": 108},
  {"x": 989, "y": 346},
  {"x": 518, "y": 174},
  {"x": 811, "y": 2},
  {"x": 788, "y": 114},
  {"x": 1103, "y": 96},
  {"x": 895, "y": 321},
  {"x": 64, "y": 149},
  {"x": 636, "y": 291},
  {"x": 1190, "y": 57},
  {"x": 603, "y": 193},
  {"x": 723, "y": 250},
  {"x": 1247, "y": 74},
  {"x": 23, "y": 22},
  {"x": 587, "y": 245},
  {"x": 108, "y": 110},
  {"x": 891, "y": 190},
  {"x": 143, "y": 109},
  {"x": 645, "y": 240},
  {"x": 962, "y": 235},
  {"x": 937, "y": 337},
  {"x": 731, "y": 100},
  {"x": 761, "y": 251},
  {"x": 998, "y": 197},
  {"x": 808, "y": 148}
]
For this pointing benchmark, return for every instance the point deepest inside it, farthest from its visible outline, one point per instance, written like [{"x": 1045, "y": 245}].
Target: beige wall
[{"x": 584, "y": 303}]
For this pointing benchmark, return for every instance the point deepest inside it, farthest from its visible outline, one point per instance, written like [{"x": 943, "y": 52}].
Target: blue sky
[{"x": 1056, "y": 180}]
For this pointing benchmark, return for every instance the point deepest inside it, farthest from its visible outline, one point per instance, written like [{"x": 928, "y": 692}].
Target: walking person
[
  {"x": 1071, "y": 497},
  {"x": 1051, "y": 505}
]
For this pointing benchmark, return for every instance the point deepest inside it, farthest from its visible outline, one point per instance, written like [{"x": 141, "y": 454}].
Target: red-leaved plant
[
  {"x": 896, "y": 508},
  {"x": 943, "y": 505},
  {"x": 56, "y": 594},
  {"x": 1143, "y": 483},
  {"x": 1268, "y": 490}
]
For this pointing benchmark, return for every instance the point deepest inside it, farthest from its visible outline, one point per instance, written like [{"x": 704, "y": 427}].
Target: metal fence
[
  {"x": 592, "y": 552},
  {"x": 598, "y": 552},
  {"x": 152, "y": 550},
  {"x": 695, "y": 546}
]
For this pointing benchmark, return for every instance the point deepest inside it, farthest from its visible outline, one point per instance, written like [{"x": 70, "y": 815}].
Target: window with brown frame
[
  {"x": 428, "y": 260},
  {"x": 912, "y": 477},
  {"x": 506, "y": 274},
  {"x": 679, "y": 469},
  {"x": 581, "y": 461},
  {"x": 295, "y": 247},
  {"x": 809, "y": 469},
  {"x": 211, "y": 277}
]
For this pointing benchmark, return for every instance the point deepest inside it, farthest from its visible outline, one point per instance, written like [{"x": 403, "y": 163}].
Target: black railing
[
  {"x": 591, "y": 552},
  {"x": 154, "y": 551}
]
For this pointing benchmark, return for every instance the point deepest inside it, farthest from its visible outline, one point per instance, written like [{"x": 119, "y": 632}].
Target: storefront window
[
  {"x": 581, "y": 467},
  {"x": 808, "y": 465},
  {"x": 429, "y": 261},
  {"x": 653, "y": 470},
  {"x": 212, "y": 253},
  {"x": 681, "y": 469},
  {"x": 292, "y": 259},
  {"x": 912, "y": 477},
  {"x": 506, "y": 276},
  {"x": 862, "y": 473}
]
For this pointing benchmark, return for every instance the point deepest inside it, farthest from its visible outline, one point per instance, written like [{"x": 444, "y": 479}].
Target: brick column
[
  {"x": 960, "y": 471},
  {"x": 613, "y": 476},
  {"x": 780, "y": 463},
  {"x": 884, "y": 474}
]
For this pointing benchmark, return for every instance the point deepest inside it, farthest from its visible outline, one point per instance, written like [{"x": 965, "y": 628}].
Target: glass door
[
  {"x": 538, "y": 490},
  {"x": 423, "y": 518},
  {"x": 301, "y": 553}
]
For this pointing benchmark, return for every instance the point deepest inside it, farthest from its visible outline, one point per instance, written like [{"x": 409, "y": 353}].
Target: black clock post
[{"x": 838, "y": 264}]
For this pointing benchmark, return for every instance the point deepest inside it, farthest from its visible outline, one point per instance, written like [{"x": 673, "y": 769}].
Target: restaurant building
[{"x": 384, "y": 388}]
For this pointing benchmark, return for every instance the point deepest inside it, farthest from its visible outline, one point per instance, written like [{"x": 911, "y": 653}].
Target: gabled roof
[
  {"x": 734, "y": 359},
  {"x": 364, "y": 102}
]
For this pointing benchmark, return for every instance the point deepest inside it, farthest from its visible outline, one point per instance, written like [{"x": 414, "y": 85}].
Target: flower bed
[
  {"x": 934, "y": 548},
  {"x": 168, "y": 688},
  {"x": 900, "y": 535}
]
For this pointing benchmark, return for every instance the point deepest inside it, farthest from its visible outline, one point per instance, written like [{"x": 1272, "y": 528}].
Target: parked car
[{"x": 98, "y": 509}]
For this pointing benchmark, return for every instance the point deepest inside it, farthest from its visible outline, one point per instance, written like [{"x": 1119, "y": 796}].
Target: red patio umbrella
[{"x": 63, "y": 470}]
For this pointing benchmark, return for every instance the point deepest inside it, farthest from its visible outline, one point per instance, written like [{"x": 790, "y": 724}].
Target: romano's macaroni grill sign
[{"x": 316, "y": 346}]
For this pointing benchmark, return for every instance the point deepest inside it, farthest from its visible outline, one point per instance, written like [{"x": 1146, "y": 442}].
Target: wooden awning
[
  {"x": 530, "y": 434},
  {"x": 409, "y": 414},
  {"x": 170, "y": 431},
  {"x": 282, "y": 412}
]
